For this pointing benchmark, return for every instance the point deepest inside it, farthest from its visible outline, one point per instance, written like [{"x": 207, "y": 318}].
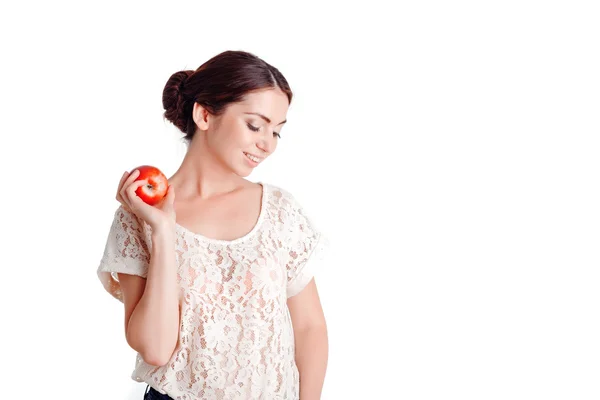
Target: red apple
[{"x": 157, "y": 185}]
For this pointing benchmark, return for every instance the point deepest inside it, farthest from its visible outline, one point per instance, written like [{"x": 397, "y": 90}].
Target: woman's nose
[{"x": 265, "y": 146}]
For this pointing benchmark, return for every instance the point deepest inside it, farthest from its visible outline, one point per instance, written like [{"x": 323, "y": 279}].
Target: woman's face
[{"x": 241, "y": 138}]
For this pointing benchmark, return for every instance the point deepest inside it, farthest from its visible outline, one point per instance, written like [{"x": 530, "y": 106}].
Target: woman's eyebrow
[{"x": 265, "y": 118}]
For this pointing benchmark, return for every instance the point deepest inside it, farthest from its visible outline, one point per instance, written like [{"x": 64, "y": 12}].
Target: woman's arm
[
  {"x": 153, "y": 328},
  {"x": 311, "y": 342}
]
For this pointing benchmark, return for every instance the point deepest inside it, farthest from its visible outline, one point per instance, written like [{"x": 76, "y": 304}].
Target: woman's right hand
[{"x": 159, "y": 215}]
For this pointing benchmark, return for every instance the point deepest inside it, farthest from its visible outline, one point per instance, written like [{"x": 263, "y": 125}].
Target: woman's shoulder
[
  {"x": 285, "y": 205},
  {"x": 280, "y": 197},
  {"x": 126, "y": 221},
  {"x": 126, "y": 217}
]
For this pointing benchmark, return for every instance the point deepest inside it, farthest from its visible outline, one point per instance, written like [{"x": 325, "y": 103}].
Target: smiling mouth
[{"x": 253, "y": 158}]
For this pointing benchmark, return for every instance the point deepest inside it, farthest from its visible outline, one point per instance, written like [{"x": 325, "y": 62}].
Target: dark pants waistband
[{"x": 153, "y": 394}]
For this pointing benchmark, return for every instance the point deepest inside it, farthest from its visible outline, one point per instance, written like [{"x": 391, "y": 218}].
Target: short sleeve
[
  {"x": 126, "y": 251},
  {"x": 307, "y": 249}
]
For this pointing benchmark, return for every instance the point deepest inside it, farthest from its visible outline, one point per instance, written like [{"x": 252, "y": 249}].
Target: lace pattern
[
  {"x": 236, "y": 339},
  {"x": 127, "y": 251}
]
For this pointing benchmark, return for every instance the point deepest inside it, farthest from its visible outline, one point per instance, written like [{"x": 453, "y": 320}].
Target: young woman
[{"x": 218, "y": 280}]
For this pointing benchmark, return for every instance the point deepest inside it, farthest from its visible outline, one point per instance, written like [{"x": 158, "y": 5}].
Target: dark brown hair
[{"x": 220, "y": 81}]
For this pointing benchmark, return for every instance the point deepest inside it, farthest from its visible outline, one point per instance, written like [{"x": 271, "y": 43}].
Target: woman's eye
[{"x": 255, "y": 129}]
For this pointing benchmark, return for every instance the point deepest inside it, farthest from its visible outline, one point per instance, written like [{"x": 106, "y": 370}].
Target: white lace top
[{"x": 235, "y": 336}]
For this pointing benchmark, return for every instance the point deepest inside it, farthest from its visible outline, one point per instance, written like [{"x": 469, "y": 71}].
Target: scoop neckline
[{"x": 256, "y": 226}]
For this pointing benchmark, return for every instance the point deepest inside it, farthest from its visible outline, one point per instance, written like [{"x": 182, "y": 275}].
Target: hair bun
[
  {"x": 177, "y": 81},
  {"x": 183, "y": 77},
  {"x": 174, "y": 99}
]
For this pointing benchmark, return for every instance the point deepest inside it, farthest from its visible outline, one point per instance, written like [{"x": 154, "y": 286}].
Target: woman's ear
[{"x": 200, "y": 115}]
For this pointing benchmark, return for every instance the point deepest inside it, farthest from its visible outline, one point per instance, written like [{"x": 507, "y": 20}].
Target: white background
[{"x": 449, "y": 149}]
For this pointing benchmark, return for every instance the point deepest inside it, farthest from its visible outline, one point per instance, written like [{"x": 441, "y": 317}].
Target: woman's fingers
[
  {"x": 132, "y": 177},
  {"x": 118, "y": 196},
  {"x": 128, "y": 182},
  {"x": 130, "y": 190},
  {"x": 121, "y": 184}
]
